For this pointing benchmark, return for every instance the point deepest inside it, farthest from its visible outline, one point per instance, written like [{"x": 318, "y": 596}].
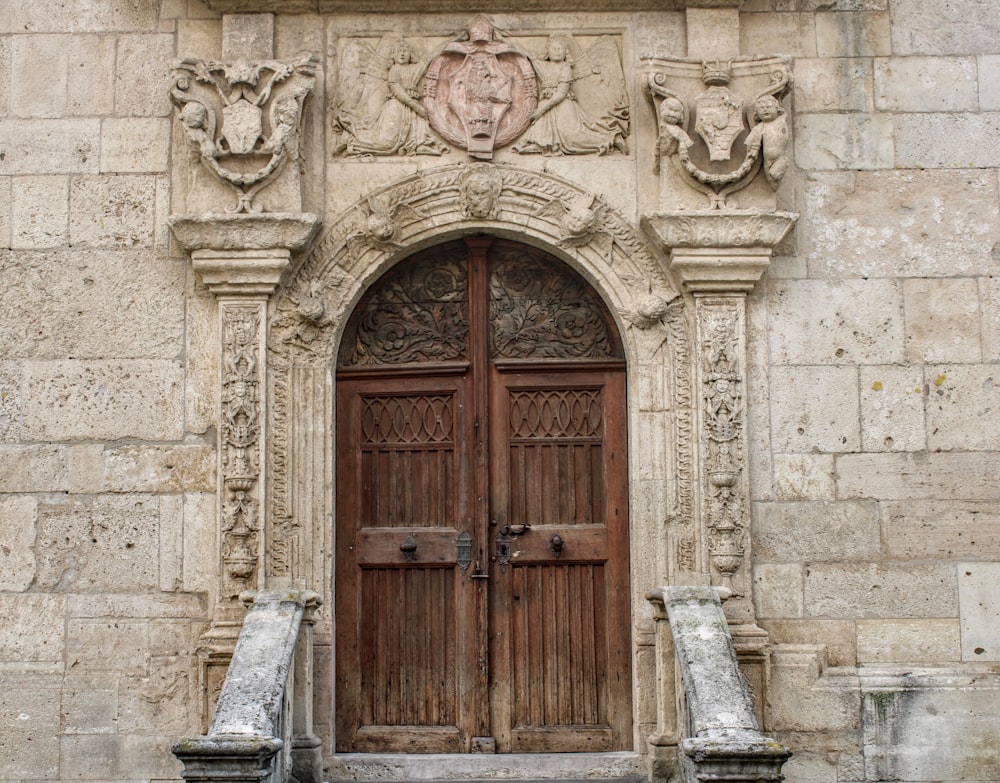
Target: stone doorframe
[{"x": 279, "y": 329}]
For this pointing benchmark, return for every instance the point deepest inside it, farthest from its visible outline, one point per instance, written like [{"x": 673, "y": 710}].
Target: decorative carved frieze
[
  {"x": 240, "y": 441},
  {"x": 721, "y": 124},
  {"x": 242, "y": 119},
  {"x": 480, "y": 91}
]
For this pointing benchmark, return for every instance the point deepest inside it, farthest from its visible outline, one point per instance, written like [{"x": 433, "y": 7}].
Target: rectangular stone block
[
  {"x": 91, "y": 71},
  {"x": 836, "y": 638},
  {"x": 17, "y": 555},
  {"x": 801, "y": 700},
  {"x": 142, "y": 72},
  {"x": 5, "y": 62},
  {"x": 39, "y": 212},
  {"x": 112, "y": 211},
  {"x": 803, "y": 477},
  {"x": 961, "y": 403},
  {"x": 57, "y": 16},
  {"x": 777, "y": 590},
  {"x": 926, "y": 84},
  {"x": 914, "y": 642},
  {"x": 892, "y": 408},
  {"x": 199, "y": 39},
  {"x": 98, "y": 543},
  {"x": 103, "y": 400},
  {"x": 989, "y": 296},
  {"x": 815, "y": 408},
  {"x": 844, "y": 141},
  {"x": 40, "y": 468},
  {"x": 873, "y": 590},
  {"x": 5, "y": 197},
  {"x": 158, "y": 702},
  {"x": 135, "y": 144},
  {"x": 989, "y": 82},
  {"x": 973, "y": 140},
  {"x": 788, "y": 33},
  {"x": 944, "y": 530},
  {"x": 89, "y": 756},
  {"x": 979, "y": 604},
  {"x": 835, "y": 322},
  {"x": 894, "y": 223},
  {"x": 969, "y": 27},
  {"x": 56, "y": 146},
  {"x": 160, "y": 469},
  {"x": 833, "y": 85},
  {"x": 119, "y": 646},
  {"x": 200, "y": 543},
  {"x": 29, "y": 714},
  {"x": 859, "y": 34},
  {"x": 106, "y": 304},
  {"x": 944, "y": 476},
  {"x": 713, "y": 32},
  {"x": 90, "y": 706},
  {"x": 248, "y": 36},
  {"x": 33, "y": 627},
  {"x": 816, "y": 531},
  {"x": 153, "y": 606},
  {"x": 942, "y": 320},
  {"x": 38, "y": 75}
]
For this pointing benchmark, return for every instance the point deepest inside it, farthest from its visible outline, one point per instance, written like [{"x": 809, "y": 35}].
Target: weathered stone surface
[
  {"x": 803, "y": 700},
  {"x": 22, "y": 636},
  {"x": 836, "y": 638},
  {"x": 156, "y": 701},
  {"x": 5, "y": 199},
  {"x": 142, "y": 69},
  {"x": 160, "y": 469},
  {"x": 873, "y": 591},
  {"x": 102, "y": 543},
  {"x": 135, "y": 144},
  {"x": 154, "y": 606},
  {"x": 118, "y": 645},
  {"x": 90, "y": 705},
  {"x": 945, "y": 530},
  {"x": 38, "y": 75},
  {"x": 793, "y": 34},
  {"x": 116, "y": 211},
  {"x": 894, "y": 223},
  {"x": 926, "y": 84},
  {"x": 713, "y": 32},
  {"x": 968, "y": 27},
  {"x": 39, "y": 212},
  {"x": 892, "y": 409},
  {"x": 103, "y": 400},
  {"x": 961, "y": 405},
  {"x": 973, "y": 140},
  {"x": 29, "y": 713},
  {"x": 844, "y": 141},
  {"x": 989, "y": 82},
  {"x": 35, "y": 468},
  {"x": 979, "y": 602},
  {"x": 945, "y": 476},
  {"x": 835, "y": 322},
  {"x": 91, "y": 67},
  {"x": 108, "y": 304},
  {"x": 816, "y": 531},
  {"x": 815, "y": 408},
  {"x": 860, "y": 34},
  {"x": 84, "y": 15},
  {"x": 908, "y": 641},
  {"x": 777, "y": 590},
  {"x": 824, "y": 85},
  {"x": 803, "y": 477},
  {"x": 989, "y": 294},
  {"x": 56, "y": 146},
  {"x": 942, "y": 320},
  {"x": 17, "y": 557}
]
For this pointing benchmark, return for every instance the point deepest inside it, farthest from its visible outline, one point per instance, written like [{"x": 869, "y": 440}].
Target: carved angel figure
[
  {"x": 561, "y": 124},
  {"x": 770, "y": 136},
  {"x": 387, "y": 117}
]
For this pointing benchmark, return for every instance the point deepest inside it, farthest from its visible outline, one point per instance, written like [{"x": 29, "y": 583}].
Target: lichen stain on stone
[
  {"x": 940, "y": 379},
  {"x": 877, "y": 386}
]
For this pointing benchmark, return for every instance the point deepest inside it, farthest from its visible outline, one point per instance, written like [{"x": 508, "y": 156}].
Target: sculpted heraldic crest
[{"x": 481, "y": 91}]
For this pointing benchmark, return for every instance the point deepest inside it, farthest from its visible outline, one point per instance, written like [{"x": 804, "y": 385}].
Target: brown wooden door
[{"x": 482, "y": 530}]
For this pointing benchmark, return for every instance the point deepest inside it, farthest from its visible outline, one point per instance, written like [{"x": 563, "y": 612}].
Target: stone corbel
[{"x": 718, "y": 257}]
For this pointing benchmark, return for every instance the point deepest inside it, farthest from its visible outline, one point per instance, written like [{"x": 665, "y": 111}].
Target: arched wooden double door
[{"x": 482, "y": 530}]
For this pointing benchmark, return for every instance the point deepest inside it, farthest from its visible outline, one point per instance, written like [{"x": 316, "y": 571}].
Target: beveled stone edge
[{"x": 290, "y": 231}]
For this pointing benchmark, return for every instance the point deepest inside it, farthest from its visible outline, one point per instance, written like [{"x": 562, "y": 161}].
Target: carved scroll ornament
[
  {"x": 243, "y": 118},
  {"x": 703, "y": 136}
]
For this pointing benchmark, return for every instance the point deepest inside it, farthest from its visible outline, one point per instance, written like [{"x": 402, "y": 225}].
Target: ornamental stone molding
[{"x": 453, "y": 6}]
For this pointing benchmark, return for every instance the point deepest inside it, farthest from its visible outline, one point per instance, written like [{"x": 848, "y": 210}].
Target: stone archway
[{"x": 554, "y": 215}]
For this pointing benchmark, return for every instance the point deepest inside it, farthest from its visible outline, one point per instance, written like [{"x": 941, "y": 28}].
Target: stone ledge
[
  {"x": 455, "y": 6},
  {"x": 267, "y": 231}
]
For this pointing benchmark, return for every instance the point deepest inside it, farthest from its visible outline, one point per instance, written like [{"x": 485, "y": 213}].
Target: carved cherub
[
  {"x": 583, "y": 106},
  {"x": 580, "y": 222},
  {"x": 379, "y": 228},
  {"x": 769, "y": 137},
  {"x": 479, "y": 190},
  {"x": 383, "y": 115}
]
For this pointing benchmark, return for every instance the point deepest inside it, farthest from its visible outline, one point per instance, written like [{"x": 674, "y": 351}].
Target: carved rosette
[
  {"x": 723, "y": 416},
  {"x": 240, "y": 438},
  {"x": 243, "y": 119}
]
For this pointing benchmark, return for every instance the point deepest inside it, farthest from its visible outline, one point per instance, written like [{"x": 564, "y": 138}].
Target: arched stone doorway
[{"x": 482, "y": 510}]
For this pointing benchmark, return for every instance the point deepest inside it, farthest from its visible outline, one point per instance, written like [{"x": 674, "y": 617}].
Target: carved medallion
[{"x": 480, "y": 92}]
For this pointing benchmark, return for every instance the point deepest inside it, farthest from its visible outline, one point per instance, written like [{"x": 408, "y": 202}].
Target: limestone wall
[{"x": 874, "y": 338}]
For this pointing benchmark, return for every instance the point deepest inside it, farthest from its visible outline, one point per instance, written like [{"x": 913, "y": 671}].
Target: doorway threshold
[{"x": 620, "y": 766}]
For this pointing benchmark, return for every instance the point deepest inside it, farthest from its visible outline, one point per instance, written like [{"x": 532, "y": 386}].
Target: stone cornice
[
  {"x": 455, "y": 6},
  {"x": 286, "y": 230}
]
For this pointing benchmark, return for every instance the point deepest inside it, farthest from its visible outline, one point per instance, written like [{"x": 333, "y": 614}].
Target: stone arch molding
[{"x": 311, "y": 307}]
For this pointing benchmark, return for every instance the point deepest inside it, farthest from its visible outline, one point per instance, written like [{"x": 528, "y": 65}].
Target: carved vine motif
[
  {"x": 677, "y": 325},
  {"x": 243, "y": 118},
  {"x": 722, "y": 385},
  {"x": 583, "y": 105},
  {"x": 418, "y": 312},
  {"x": 721, "y": 121},
  {"x": 240, "y": 435},
  {"x": 537, "y": 312}
]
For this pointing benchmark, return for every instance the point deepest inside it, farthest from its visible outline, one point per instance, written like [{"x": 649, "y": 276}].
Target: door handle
[
  {"x": 409, "y": 549},
  {"x": 515, "y": 530},
  {"x": 556, "y": 544}
]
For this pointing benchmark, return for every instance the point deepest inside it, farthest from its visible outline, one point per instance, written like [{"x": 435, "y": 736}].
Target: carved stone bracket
[{"x": 718, "y": 257}]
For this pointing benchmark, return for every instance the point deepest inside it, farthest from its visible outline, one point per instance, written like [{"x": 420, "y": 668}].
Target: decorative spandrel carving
[
  {"x": 717, "y": 140},
  {"x": 243, "y": 119},
  {"x": 240, "y": 436},
  {"x": 382, "y": 113},
  {"x": 417, "y": 313},
  {"x": 581, "y": 221},
  {"x": 539, "y": 311},
  {"x": 480, "y": 91},
  {"x": 583, "y": 106}
]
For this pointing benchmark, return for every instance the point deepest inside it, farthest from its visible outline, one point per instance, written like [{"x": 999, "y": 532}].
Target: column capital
[
  {"x": 719, "y": 252},
  {"x": 243, "y": 254}
]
